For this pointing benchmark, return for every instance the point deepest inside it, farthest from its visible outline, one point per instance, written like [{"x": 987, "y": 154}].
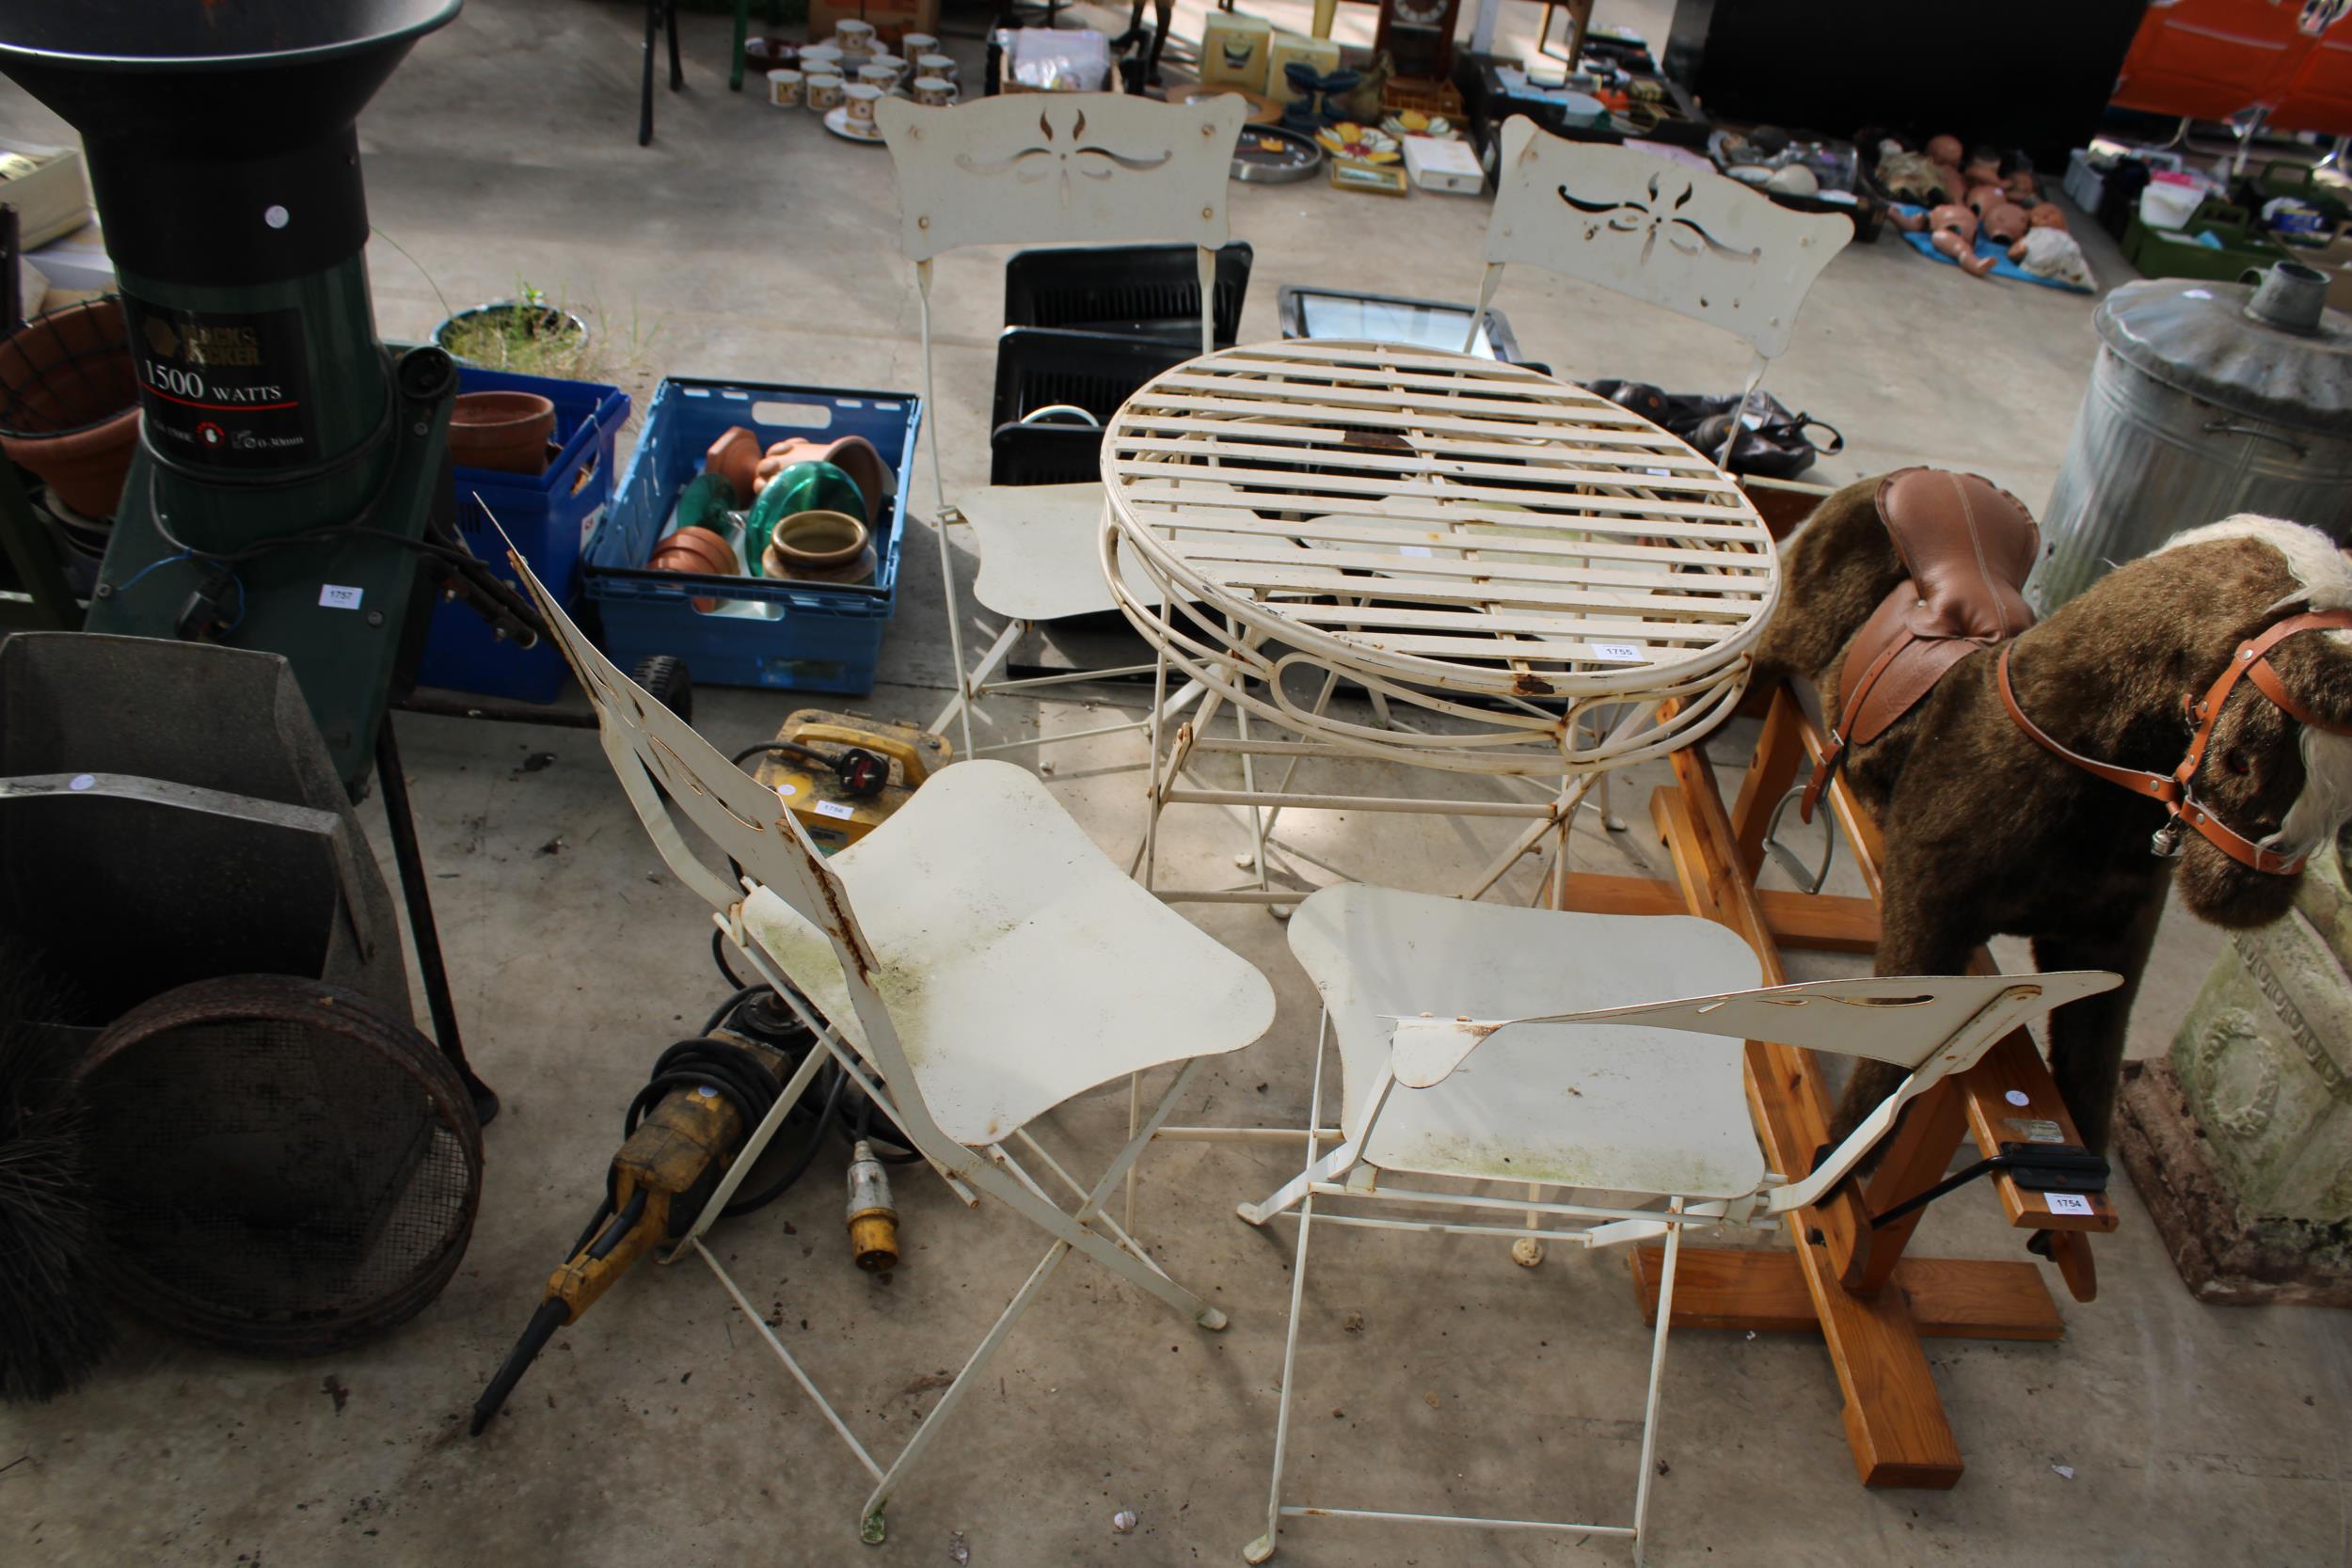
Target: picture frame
[{"x": 1372, "y": 179}]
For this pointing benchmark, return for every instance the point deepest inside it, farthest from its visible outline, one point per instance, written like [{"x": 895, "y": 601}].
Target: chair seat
[
  {"x": 1614, "y": 1107},
  {"x": 1041, "y": 556},
  {"x": 1020, "y": 965}
]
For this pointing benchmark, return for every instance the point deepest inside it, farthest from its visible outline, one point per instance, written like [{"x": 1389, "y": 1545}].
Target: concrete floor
[{"x": 749, "y": 244}]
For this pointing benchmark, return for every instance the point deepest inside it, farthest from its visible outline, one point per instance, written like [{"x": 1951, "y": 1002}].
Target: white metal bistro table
[{"x": 1497, "y": 558}]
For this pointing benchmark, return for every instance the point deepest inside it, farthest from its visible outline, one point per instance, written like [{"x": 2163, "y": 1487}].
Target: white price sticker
[
  {"x": 1617, "y": 653},
  {"x": 834, "y": 808},
  {"x": 2067, "y": 1203},
  {"x": 334, "y": 597}
]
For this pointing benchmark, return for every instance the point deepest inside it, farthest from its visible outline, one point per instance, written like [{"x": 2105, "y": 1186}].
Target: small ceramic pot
[
  {"x": 783, "y": 88},
  {"x": 935, "y": 90},
  {"x": 933, "y": 64},
  {"x": 862, "y": 96},
  {"x": 824, "y": 92},
  {"x": 507, "y": 432},
  {"x": 695, "y": 550},
  {"x": 820, "y": 547},
  {"x": 735, "y": 457},
  {"x": 915, "y": 45},
  {"x": 854, "y": 37},
  {"x": 881, "y": 78}
]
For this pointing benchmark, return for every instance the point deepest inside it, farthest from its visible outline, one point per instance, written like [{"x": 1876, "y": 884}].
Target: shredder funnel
[{"x": 221, "y": 132}]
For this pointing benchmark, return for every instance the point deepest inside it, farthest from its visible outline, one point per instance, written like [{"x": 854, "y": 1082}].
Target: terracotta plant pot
[
  {"x": 504, "y": 431},
  {"x": 69, "y": 403},
  {"x": 820, "y": 547},
  {"x": 733, "y": 457},
  {"x": 853, "y": 455},
  {"x": 695, "y": 550}
]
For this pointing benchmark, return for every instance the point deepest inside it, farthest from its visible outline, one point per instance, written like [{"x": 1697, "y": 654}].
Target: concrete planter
[{"x": 2241, "y": 1142}]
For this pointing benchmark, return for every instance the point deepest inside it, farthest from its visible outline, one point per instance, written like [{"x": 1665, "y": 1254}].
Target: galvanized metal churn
[{"x": 2207, "y": 399}]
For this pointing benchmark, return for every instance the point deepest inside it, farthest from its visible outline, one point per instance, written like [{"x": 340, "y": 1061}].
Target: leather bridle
[{"x": 2173, "y": 789}]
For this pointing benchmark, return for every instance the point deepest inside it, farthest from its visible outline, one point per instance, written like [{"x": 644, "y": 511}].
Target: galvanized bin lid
[{"x": 2268, "y": 350}]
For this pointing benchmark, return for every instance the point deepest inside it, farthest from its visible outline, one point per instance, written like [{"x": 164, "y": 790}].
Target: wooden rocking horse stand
[{"x": 1847, "y": 1277}]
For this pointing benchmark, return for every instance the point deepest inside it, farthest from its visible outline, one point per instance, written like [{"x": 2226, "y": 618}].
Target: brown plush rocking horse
[{"x": 2189, "y": 716}]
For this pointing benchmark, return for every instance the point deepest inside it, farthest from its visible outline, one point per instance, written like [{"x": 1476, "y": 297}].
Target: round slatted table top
[{"x": 1445, "y": 520}]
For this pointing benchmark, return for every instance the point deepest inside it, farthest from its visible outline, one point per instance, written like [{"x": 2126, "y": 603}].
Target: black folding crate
[{"x": 1140, "y": 291}]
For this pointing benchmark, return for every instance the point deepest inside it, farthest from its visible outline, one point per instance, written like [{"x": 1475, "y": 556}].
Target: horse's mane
[
  {"x": 2325, "y": 575},
  {"x": 2317, "y": 564}
]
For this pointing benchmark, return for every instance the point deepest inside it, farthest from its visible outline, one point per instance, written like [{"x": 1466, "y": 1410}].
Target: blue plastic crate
[
  {"x": 550, "y": 519},
  {"x": 826, "y": 637}
]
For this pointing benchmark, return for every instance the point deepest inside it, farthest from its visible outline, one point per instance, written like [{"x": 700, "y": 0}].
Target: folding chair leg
[
  {"x": 1331, "y": 1167},
  {"x": 1657, "y": 1373},
  {"x": 969, "y": 686},
  {"x": 1074, "y": 1228},
  {"x": 1263, "y": 1548},
  {"x": 870, "y": 1517}
]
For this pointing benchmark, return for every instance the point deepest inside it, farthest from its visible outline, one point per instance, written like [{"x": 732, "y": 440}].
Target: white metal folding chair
[
  {"x": 973, "y": 963},
  {"x": 1038, "y": 168},
  {"x": 1686, "y": 239},
  {"x": 1481, "y": 1044},
  {"x": 1664, "y": 233}
]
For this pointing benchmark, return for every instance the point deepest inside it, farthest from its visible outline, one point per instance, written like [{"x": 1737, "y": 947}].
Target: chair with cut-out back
[
  {"x": 1045, "y": 168},
  {"x": 971, "y": 963},
  {"x": 1685, "y": 239},
  {"x": 1481, "y": 1045}
]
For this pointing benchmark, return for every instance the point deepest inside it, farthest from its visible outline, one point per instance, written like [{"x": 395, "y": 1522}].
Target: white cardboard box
[
  {"x": 1438, "y": 164},
  {"x": 51, "y": 200}
]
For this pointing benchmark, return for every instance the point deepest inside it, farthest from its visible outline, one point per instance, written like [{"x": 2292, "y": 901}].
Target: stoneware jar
[{"x": 820, "y": 547}]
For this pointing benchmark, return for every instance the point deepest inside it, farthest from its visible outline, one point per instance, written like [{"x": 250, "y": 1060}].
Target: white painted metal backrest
[
  {"x": 1686, "y": 239},
  {"x": 1079, "y": 167},
  {"x": 646, "y": 744},
  {"x": 1932, "y": 1025},
  {"x": 1689, "y": 240},
  {"x": 1034, "y": 168}
]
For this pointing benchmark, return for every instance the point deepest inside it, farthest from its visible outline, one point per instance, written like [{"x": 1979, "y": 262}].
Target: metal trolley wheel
[{"x": 280, "y": 1167}]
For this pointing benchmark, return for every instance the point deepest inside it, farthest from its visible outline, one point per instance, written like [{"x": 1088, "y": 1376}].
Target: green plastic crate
[{"x": 2158, "y": 254}]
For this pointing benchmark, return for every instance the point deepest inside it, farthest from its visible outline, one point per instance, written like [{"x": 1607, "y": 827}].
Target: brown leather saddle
[{"x": 1968, "y": 546}]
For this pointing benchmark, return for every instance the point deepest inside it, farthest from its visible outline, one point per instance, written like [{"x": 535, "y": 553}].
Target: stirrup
[{"x": 1806, "y": 877}]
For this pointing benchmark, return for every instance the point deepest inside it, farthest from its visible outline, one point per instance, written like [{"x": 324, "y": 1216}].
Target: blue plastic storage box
[
  {"x": 826, "y": 637},
  {"x": 550, "y": 519}
]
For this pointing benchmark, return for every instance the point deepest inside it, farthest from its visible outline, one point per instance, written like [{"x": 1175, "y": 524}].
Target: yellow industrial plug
[{"x": 873, "y": 1223}]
